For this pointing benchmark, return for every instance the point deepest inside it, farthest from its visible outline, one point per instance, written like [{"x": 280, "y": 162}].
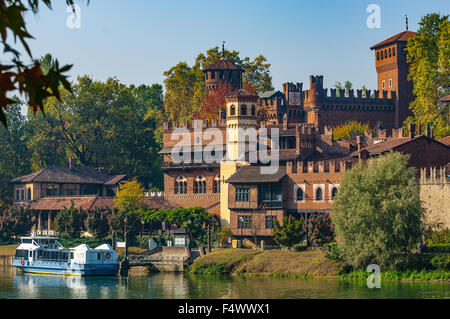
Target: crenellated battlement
[
  {"x": 311, "y": 167},
  {"x": 194, "y": 124},
  {"x": 435, "y": 175}
]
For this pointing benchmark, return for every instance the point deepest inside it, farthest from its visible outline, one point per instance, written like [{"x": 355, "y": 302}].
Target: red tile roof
[
  {"x": 445, "y": 140},
  {"x": 223, "y": 64},
  {"x": 399, "y": 37},
  {"x": 90, "y": 202}
]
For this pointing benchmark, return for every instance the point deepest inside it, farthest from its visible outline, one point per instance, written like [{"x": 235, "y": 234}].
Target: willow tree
[{"x": 377, "y": 213}]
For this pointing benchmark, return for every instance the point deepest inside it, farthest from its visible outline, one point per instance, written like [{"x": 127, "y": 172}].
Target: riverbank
[{"x": 305, "y": 264}]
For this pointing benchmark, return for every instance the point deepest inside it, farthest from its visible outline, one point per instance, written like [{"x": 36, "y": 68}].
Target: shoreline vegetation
[{"x": 281, "y": 264}]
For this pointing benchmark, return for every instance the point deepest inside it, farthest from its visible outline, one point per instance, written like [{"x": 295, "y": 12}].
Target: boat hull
[{"x": 66, "y": 269}]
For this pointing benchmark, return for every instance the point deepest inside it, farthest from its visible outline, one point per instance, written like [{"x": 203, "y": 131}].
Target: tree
[
  {"x": 377, "y": 212},
  {"x": 290, "y": 233},
  {"x": 184, "y": 92},
  {"x": 95, "y": 126},
  {"x": 347, "y": 86},
  {"x": 69, "y": 222},
  {"x": 320, "y": 229},
  {"x": 128, "y": 197},
  {"x": 185, "y": 85},
  {"x": 97, "y": 223},
  {"x": 214, "y": 101},
  {"x": 346, "y": 129},
  {"x": 29, "y": 79},
  {"x": 14, "y": 155},
  {"x": 15, "y": 222},
  {"x": 428, "y": 54}
]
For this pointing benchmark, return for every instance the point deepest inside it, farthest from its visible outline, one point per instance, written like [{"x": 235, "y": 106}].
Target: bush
[
  {"x": 320, "y": 229},
  {"x": 437, "y": 248},
  {"x": 290, "y": 233},
  {"x": 440, "y": 262},
  {"x": 333, "y": 251}
]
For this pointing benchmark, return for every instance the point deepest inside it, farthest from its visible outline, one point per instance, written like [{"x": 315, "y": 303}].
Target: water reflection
[{"x": 17, "y": 285}]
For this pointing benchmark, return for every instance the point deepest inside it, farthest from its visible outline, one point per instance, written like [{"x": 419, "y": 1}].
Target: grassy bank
[
  {"x": 274, "y": 263},
  {"x": 306, "y": 264}
]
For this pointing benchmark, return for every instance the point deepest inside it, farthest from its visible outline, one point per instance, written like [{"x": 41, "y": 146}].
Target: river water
[{"x": 16, "y": 285}]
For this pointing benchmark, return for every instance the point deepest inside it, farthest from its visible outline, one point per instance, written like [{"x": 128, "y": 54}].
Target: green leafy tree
[
  {"x": 69, "y": 222},
  {"x": 15, "y": 222},
  {"x": 346, "y": 129},
  {"x": 185, "y": 85},
  {"x": 428, "y": 53},
  {"x": 377, "y": 212},
  {"x": 290, "y": 233},
  {"x": 97, "y": 223},
  {"x": 104, "y": 124},
  {"x": 14, "y": 155}
]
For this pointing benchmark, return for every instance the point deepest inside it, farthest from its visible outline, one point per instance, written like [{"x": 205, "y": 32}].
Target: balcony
[{"x": 268, "y": 204}]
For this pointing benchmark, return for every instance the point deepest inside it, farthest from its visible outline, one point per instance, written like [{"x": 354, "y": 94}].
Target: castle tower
[
  {"x": 223, "y": 71},
  {"x": 240, "y": 118},
  {"x": 392, "y": 72}
]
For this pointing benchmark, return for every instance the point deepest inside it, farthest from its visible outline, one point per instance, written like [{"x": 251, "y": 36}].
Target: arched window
[
  {"x": 244, "y": 110},
  {"x": 393, "y": 51},
  {"x": 253, "y": 110},
  {"x": 334, "y": 192},
  {"x": 300, "y": 194},
  {"x": 216, "y": 186},
  {"x": 181, "y": 185},
  {"x": 319, "y": 194},
  {"x": 23, "y": 195},
  {"x": 200, "y": 185},
  {"x": 29, "y": 194},
  {"x": 378, "y": 55},
  {"x": 232, "y": 110}
]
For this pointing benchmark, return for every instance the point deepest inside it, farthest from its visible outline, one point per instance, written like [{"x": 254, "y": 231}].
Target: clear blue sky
[{"x": 137, "y": 40}]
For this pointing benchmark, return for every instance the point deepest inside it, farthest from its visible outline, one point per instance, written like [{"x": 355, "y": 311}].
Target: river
[{"x": 16, "y": 285}]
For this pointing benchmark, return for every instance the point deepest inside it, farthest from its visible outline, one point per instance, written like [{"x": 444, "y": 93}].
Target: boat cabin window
[
  {"x": 21, "y": 253},
  {"x": 98, "y": 256}
]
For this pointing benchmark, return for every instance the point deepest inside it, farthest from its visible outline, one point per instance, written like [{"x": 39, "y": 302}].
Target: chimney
[
  {"x": 412, "y": 130},
  {"x": 285, "y": 122},
  {"x": 71, "y": 162},
  {"x": 358, "y": 143}
]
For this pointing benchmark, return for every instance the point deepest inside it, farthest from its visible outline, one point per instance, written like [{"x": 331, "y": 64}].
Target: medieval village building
[{"x": 310, "y": 162}]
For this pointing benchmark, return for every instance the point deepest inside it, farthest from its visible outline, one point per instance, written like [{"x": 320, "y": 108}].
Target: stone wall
[{"x": 435, "y": 196}]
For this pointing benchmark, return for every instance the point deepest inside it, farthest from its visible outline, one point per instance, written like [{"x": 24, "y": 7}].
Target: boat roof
[{"x": 39, "y": 237}]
